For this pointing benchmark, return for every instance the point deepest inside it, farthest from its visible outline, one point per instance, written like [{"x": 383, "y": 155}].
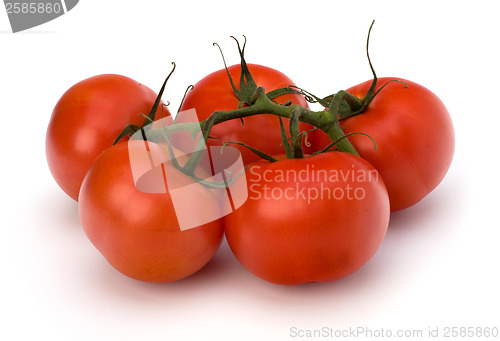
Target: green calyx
[
  {"x": 247, "y": 85},
  {"x": 130, "y": 129},
  {"x": 352, "y": 105}
]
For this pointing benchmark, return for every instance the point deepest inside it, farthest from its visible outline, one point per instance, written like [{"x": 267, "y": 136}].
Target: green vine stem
[
  {"x": 255, "y": 101},
  {"x": 259, "y": 104}
]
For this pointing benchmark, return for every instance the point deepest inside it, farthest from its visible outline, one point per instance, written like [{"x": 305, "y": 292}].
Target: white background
[{"x": 438, "y": 266}]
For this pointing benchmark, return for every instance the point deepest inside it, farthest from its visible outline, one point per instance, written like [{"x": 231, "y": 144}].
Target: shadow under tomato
[
  {"x": 56, "y": 210},
  {"x": 218, "y": 270}
]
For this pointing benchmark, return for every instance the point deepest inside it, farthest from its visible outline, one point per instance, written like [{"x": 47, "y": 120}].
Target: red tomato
[
  {"x": 87, "y": 119},
  {"x": 309, "y": 220},
  {"x": 138, "y": 232},
  {"x": 414, "y": 135},
  {"x": 214, "y": 93}
]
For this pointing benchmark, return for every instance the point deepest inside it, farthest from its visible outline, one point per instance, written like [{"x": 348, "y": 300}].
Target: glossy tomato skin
[
  {"x": 414, "y": 135},
  {"x": 214, "y": 92},
  {"x": 87, "y": 119},
  {"x": 321, "y": 223},
  {"x": 138, "y": 232}
]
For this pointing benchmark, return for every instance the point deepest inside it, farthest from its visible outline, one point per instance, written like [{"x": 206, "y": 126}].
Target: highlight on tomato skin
[
  {"x": 414, "y": 135},
  {"x": 87, "y": 119},
  {"x": 138, "y": 232},
  {"x": 309, "y": 220}
]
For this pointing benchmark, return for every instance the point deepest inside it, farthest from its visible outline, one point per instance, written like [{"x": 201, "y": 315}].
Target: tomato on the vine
[
  {"x": 309, "y": 220},
  {"x": 137, "y": 230},
  {"x": 87, "y": 119},
  {"x": 414, "y": 135},
  {"x": 214, "y": 93}
]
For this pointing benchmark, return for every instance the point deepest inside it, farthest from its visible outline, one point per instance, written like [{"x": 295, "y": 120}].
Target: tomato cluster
[{"x": 314, "y": 199}]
